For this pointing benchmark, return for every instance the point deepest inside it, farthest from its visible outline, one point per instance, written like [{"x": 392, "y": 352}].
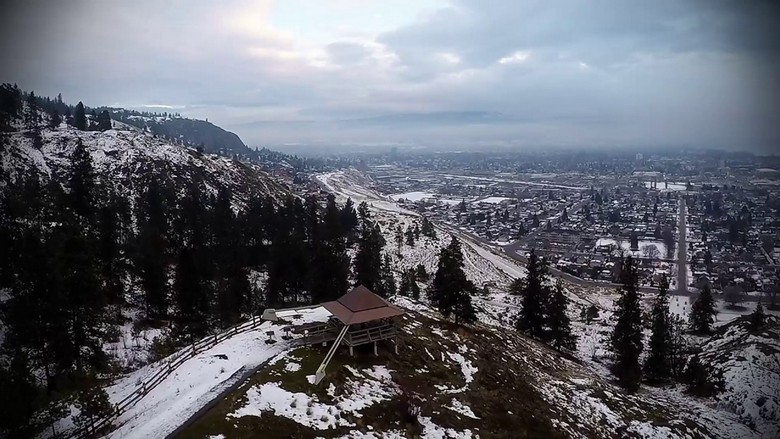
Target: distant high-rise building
[{"x": 639, "y": 156}]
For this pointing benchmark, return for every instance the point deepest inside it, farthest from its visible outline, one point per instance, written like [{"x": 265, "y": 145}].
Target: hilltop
[
  {"x": 192, "y": 132},
  {"x": 445, "y": 382},
  {"x": 125, "y": 157}
]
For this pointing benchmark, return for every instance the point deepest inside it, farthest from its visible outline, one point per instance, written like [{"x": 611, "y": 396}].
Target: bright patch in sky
[{"x": 515, "y": 58}]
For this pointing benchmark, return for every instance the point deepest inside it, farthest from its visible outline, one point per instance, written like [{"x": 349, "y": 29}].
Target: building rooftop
[{"x": 360, "y": 305}]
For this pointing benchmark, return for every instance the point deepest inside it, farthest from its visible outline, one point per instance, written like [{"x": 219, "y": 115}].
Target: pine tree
[
  {"x": 658, "y": 365},
  {"x": 388, "y": 287},
  {"x": 191, "y": 296},
  {"x": 626, "y": 339},
  {"x": 54, "y": 118},
  {"x": 757, "y": 318},
  {"x": 82, "y": 182},
  {"x": 532, "y": 316},
  {"x": 702, "y": 312},
  {"x": 451, "y": 290},
  {"x": 104, "y": 121},
  {"x": 32, "y": 119},
  {"x": 368, "y": 258},
  {"x": 349, "y": 218},
  {"x": 80, "y": 117},
  {"x": 152, "y": 219},
  {"x": 20, "y": 402},
  {"x": 427, "y": 228},
  {"x": 93, "y": 404},
  {"x": 558, "y": 322},
  {"x": 330, "y": 262},
  {"x": 409, "y": 285},
  {"x": 409, "y": 236},
  {"x": 227, "y": 256},
  {"x": 109, "y": 253},
  {"x": 399, "y": 238}
]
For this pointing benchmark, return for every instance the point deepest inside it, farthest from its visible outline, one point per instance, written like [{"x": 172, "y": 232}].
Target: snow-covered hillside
[
  {"x": 747, "y": 363},
  {"x": 126, "y": 157},
  {"x": 485, "y": 381}
]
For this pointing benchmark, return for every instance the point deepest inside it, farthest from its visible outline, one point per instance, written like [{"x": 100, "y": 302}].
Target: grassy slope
[{"x": 521, "y": 389}]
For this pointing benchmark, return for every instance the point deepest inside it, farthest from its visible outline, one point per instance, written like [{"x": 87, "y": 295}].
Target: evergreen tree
[
  {"x": 368, "y": 258},
  {"x": 399, "y": 238},
  {"x": 451, "y": 290},
  {"x": 409, "y": 285},
  {"x": 678, "y": 345},
  {"x": 626, "y": 339},
  {"x": 109, "y": 253},
  {"x": 227, "y": 256},
  {"x": 558, "y": 322},
  {"x": 83, "y": 300},
  {"x": 330, "y": 262},
  {"x": 82, "y": 182},
  {"x": 409, "y": 236},
  {"x": 104, "y": 121},
  {"x": 20, "y": 402},
  {"x": 702, "y": 312},
  {"x": 532, "y": 314},
  {"x": 152, "y": 219},
  {"x": 388, "y": 287},
  {"x": 93, "y": 404},
  {"x": 191, "y": 296},
  {"x": 427, "y": 228},
  {"x": 349, "y": 219},
  {"x": 658, "y": 365},
  {"x": 32, "y": 120},
  {"x": 54, "y": 118},
  {"x": 757, "y": 318},
  {"x": 80, "y": 117}
]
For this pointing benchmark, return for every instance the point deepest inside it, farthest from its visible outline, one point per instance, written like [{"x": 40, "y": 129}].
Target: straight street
[{"x": 682, "y": 250}]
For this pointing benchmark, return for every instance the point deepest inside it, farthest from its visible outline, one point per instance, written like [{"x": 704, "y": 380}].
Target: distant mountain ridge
[{"x": 192, "y": 132}]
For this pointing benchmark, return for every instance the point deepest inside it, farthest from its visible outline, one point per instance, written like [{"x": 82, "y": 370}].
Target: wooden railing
[
  {"x": 171, "y": 363},
  {"x": 362, "y": 336}
]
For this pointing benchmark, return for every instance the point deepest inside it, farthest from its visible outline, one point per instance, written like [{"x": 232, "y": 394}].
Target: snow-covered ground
[
  {"x": 191, "y": 386},
  {"x": 676, "y": 187},
  {"x": 492, "y": 200},
  {"x": 626, "y": 245}
]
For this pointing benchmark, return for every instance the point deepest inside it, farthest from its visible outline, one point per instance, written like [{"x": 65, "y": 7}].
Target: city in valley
[{"x": 699, "y": 218}]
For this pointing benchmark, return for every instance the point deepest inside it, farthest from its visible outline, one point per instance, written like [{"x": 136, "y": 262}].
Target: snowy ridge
[
  {"x": 748, "y": 363},
  {"x": 125, "y": 157}
]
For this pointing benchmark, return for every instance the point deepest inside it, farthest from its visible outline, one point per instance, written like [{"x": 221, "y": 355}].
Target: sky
[{"x": 444, "y": 73}]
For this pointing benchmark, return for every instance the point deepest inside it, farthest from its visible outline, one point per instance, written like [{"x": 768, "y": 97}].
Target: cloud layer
[{"x": 466, "y": 72}]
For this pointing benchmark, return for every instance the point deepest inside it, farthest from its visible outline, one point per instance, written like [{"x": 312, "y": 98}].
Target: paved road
[{"x": 682, "y": 250}]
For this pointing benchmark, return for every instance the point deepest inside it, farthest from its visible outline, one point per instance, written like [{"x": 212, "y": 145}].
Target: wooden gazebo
[{"x": 359, "y": 317}]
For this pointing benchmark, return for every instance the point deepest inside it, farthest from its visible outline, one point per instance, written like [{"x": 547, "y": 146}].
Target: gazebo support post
[{"x": 376, "y": 353}]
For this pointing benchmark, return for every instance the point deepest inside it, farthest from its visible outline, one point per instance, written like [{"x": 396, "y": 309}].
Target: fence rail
[{"x": 169, "y": 366}]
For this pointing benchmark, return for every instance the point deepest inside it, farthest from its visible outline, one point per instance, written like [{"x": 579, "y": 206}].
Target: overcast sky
[{"x": 435, "y": 72}]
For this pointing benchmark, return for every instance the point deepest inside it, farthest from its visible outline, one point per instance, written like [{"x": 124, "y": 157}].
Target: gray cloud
[{"x": 581, "y": 73}]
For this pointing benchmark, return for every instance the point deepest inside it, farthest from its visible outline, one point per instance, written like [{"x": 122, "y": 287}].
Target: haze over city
[{"x": 450, "y": 74}]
